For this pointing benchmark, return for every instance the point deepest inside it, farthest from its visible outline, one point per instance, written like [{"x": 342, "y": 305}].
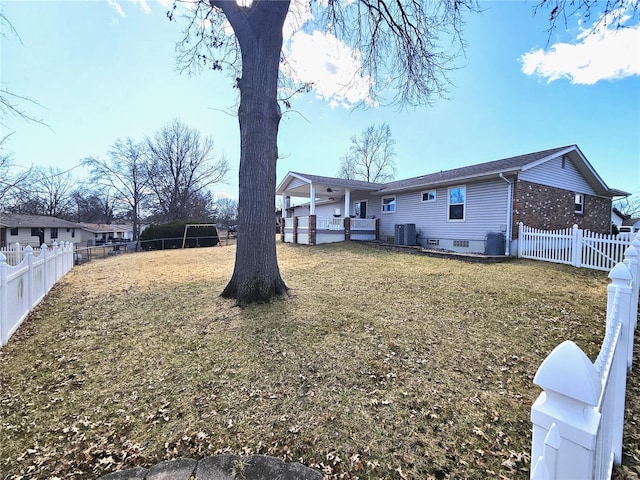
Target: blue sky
[{"x": 103, "y": 70}]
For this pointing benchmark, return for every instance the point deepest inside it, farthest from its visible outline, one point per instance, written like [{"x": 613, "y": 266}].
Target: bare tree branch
[{"x": 371, "y": 156}]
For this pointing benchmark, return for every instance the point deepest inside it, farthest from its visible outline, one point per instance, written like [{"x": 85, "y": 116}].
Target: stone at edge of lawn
[
  {"x": 178, "y": 469},
  {"x": 138, "y": 473}
]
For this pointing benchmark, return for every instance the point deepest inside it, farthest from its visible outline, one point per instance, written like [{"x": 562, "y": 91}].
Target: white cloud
[
  {"x": 117, "y": 7},
  {"x": 332, "y": 66},
  {"x": 604, "y": 54},
  {"x": 144, "y": 5}
]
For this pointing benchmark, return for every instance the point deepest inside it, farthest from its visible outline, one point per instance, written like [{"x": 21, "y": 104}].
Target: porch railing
[
  {"x": 330, "y": 223},
  {"x": 363, "y": 224}
]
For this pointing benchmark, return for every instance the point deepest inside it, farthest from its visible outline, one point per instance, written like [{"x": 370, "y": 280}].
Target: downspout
[{"x": 509, "y": 214}]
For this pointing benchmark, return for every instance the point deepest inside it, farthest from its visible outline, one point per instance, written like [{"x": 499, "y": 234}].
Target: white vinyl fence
[
  {"x": 14, "y": 253},
  {"x": 22, "y": 286},
  {"x": 578, "y": 419},
  {"x": 573, "y": 246}
]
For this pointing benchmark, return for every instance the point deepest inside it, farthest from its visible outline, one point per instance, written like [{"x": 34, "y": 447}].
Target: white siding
[
  {"x": 551, "y": 173},
  {"x": 485, "y": 211},
  {"x": 24, "y": 236}
]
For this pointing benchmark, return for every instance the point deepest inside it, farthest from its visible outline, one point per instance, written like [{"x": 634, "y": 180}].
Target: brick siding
[{"x": 551, "y": 208}]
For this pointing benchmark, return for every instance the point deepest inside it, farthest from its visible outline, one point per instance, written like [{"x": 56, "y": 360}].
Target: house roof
[
  {"x": 13, "y": 220},
  {"x": 477, "y": 171},
  {"x": 325, "y": 187},
  {"x": 631, "y": 221},
  {"x": 104, "y": 228},
  {"x": 504, "y": 166}
]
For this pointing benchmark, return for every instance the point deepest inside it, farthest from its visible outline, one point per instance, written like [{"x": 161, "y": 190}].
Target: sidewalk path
[{"x": 220, "y": 467}]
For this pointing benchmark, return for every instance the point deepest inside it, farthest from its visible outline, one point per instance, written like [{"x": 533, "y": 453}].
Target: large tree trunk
[{"x": 256, "y": 276}]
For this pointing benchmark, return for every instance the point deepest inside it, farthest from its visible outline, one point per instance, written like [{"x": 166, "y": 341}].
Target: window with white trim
[
  {"x": 579, "y": 202},
  {"x": 428, "y": 196},
  {"x": 389, "y": 204},
  {"x": 457, "y": 198}
]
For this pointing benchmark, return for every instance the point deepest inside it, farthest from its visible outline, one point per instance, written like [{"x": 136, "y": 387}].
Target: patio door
[{"x": 361, "y": 209}]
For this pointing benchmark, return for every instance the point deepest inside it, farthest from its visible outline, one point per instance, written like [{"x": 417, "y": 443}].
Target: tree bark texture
[{"x": 256, "y": 276}]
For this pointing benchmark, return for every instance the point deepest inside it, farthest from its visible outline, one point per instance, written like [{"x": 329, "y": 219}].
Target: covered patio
[{"x": 333, "y": 212}]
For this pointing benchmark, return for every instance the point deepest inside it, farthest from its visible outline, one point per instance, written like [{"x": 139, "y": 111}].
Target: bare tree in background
[
  {"x": 182, "y": 166},
  {"x": 126, "y": 173},
  {"x": 48, "y": 191},
  {"x": 226, "y": 212},
  {"x": 371, "y": 156},
  {"x": 12, "y": 179},
  {"x": 629, "y": 206},
  {"x": 95, "y": 205},
  {"x": 399, "y": 44}
]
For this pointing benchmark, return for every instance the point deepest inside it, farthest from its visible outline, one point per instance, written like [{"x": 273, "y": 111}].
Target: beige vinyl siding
[
  {"x": 485, "y": 211},
  {"x": 551, "y": 173}
]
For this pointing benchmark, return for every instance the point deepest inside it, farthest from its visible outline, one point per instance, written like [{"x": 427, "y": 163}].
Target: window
[
  {"x": 579, "y": 201},
  {"x": 456, "y": 203},
  {"x": 35, "y": 232},
  {"x": 361, "y": 209},
  {"x": 389, "y": 204},
  {"x": 14, "y": 231},
  {"x": 429, "y": 196},
  {"x": 73, "y": 233},
  {"x": 54, "y": 233}
]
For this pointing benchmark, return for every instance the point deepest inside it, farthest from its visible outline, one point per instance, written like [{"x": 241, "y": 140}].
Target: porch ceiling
[
  {"x": 323, "y": 191},
  {"x": 326, "y": 188}
]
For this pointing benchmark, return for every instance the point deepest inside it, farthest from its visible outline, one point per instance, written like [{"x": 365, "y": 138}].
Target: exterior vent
[
  {"x": 461, "y": 243},
  {"x": 433, "y": 241}
]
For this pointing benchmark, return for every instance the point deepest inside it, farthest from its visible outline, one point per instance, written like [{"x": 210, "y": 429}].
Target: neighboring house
[
  {"x": 617, "y": 217},
  {"x": 100, "y": 233},
  {"x": 631, "y": 225},
  {"x": 461, "y": 209},
  {"x": 35, "y": 230}
]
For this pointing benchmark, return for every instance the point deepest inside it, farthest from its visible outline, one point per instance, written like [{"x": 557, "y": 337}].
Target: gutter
[{"x": 509, "y": 213}]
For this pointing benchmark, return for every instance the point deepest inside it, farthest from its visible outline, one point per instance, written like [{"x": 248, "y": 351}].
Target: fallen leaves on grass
[{"x": 380, "y": 365}]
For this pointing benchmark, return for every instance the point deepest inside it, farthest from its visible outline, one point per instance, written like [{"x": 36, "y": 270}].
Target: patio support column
[
  {"x": 312, "y": 198},
  {"x": 347, "y": 227},
  {"x": 347, "y": 202},
  {"x": 312, "y": 230},
  {"x": 295, "y": 229},
  {"x": 285, "y": 207}
]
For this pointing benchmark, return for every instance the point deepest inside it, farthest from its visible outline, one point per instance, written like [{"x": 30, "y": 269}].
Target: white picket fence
[
  {"x": 573, "y": 246},
  {"x": 578, "y": 419},
  {"x": 14, "y": 253},
  {"x": 22, "y": 286}
]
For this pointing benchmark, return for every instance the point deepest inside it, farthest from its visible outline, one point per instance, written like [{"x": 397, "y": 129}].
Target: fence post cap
[
  {"x": 621, "y": 273},
  {"x": 43, "y": 246},
  {"x": 569, "y": 372},
  {"x": 631, "y": 251},
  {"x": 28, "y": 250}
]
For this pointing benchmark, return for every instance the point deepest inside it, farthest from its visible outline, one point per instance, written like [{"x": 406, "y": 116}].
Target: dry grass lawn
[{"x": 380, "y": 365}]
